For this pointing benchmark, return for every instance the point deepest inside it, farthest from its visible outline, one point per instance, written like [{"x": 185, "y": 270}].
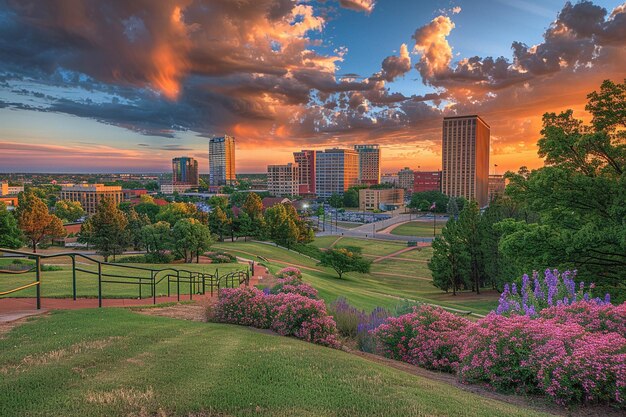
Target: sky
[{"x": 126, "y": 85}]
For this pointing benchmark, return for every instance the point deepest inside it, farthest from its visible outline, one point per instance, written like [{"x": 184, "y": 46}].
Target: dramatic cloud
[{"x": 262, "y": 70}]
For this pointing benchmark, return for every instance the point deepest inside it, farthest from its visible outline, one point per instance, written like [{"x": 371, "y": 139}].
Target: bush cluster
[
  {"x": 574, "y": 353},
  {"x": 221, "y": 257},
  {"x": 289, "y": 309}
]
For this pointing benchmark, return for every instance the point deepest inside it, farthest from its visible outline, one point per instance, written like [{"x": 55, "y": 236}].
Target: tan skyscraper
[
  {"x": 305, "y": 159},
  {"x": 465, "y": 158},
  {"x": 336, "y": 170},
  {"x": 222, "y": 161},
  {"x": 369, "y": 163}
]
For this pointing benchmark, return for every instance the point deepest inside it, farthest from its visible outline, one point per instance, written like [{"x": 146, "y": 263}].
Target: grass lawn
[
  {"x": 389, "y": 282},
  {"x": 59, "y": 283},
  {"x": 119, "y": 363},
  {"x": 349, "y": 225},
  {"x": 418, "y": 229},
  {"x": 369, "y": 246}
]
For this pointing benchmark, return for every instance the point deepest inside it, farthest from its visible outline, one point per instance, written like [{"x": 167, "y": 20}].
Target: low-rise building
[
  {"x": 10, "y": 202},
  {"x": 497, "y": 184},
  {"x": 90, "y": 195},
  {"x": 283, "y": 180},
  {"x": 6, "y": 189},
  {"x": 381, "y": 199},
  {"x": 389, "y": 179},
  {"x": 169, "y": 189}
]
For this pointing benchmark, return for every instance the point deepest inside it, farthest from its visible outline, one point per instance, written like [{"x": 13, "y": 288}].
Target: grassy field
[
  {"x": 118, "y": 363},
  {"x": 59, "y": 283},
  {"x": 390, "y": 280},
  {"x": 417, "y": 229}
]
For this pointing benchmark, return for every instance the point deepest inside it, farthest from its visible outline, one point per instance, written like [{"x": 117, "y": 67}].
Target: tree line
[{"x": 568, "y": 214}]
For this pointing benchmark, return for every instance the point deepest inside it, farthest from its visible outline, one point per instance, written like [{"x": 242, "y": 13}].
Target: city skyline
[{"x": 334, "y": 73}]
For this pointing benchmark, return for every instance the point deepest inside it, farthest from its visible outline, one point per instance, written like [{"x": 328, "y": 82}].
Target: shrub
[
  {"x": 357, "y": 324},
  {"x": 302, "y": 289},
  {"x": 429, "y": 337},
  {"x": 221, "y": 257},
  {"x": 592, "y": 316},
  {"x": 289, "y": 272},
  {"x": 50, "y": 268},
  {"x": 288, "y": 314},
  {"x": 148, "y": 258}
]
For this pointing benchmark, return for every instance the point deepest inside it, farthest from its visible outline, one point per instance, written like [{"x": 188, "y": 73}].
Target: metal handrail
[{"x": 197, "y": 280}]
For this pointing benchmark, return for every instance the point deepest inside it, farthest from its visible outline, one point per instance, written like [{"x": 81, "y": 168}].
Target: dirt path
[
  {"x": 391, "y": 255},
  {"x": 389, "y": 274},
  {"x": 335, "y": 242}
]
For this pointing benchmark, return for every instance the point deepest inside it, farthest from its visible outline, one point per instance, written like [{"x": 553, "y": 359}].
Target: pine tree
[{"x": 450, "y": 261}]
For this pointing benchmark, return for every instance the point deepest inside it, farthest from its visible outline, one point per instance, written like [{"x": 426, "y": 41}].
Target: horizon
[{"x": 311, "y": 75}]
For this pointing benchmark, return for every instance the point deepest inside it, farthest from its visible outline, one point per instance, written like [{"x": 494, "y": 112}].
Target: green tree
[
  {"x": 579, "y": 195},
  {"x": 10, "y": 233},
  {"x": 335, "y": 200},
  {"x": 237, "y": 199},
  {"x": 157, "y": 238},
  {"x": 351, "y": 198},
  {"x": 174, "y": 212},
  {"x": 150, "y": 209},
  {"x": 418, "y": 201},
  {"x": 135, "y": 224},
  {"x": 282, "y": 228},
  {"x": 219, "y": 223},
  {"x": 86, "y": 233},
  {"x": 35, "y": 220},
  {"x": 453, "y": 208},
  {"x": 345, "y": 259},
  {"x": 109, "y": 234},
  {"x": 243, "y": 225},
  {"x": 253, "y": 207},
  {"x": 190, "y": 238},
  {"x": 450, "y": 262},
  {"x": 67, "y": 210},
  {"x": 468, "y": 228}
]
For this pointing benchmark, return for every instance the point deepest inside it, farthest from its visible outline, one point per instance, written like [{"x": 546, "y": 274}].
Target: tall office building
[
  {"x": 185, "y": 171},
  {"x": 369, "y": 163},
  {"x": 465, "y": 158},
  {"x": 306, "y": 171},
  {"x": 497, "y": 185},
  {"x": 283, "y": 180},
  {"x": 336, "y": 170},
  {"x": 222, "y": 161},
  {"x": 406, "y": 179}
]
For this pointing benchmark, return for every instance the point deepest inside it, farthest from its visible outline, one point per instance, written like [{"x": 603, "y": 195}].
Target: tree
[
  {"x": 86, "y": 233},
  {"x": 35, "y": 220},
  {"x": 579, "y": 195},
  {"x": 345, "y": 259},
  {"x": 243, "y": 225},
  {"x": 237, "y": 199},
  {"x": 351, "y": 198},
  {"x": 174, "y": 212},
  {"x": 67, "y": 210},
  {"x": 109, "y": 234},
  {"x": 335, "y": 200},
  {"x": 135, "y": 224},
  {"x": 146, "y": 199},
  {"x": 10, "y": 233},
  {"x": 282, "y": 228},
  {"x": 157, "y": 238},
  {"x": 150, "y": 209},
  {"x": 219, "y": 223},
  {"x": 450, "y": 261},
  {"x": 253, "y": 207},
  {"x": 191, "y": 237},
  {"x": 453, "y": 208},
  {"x": 468, "y": 224},
  {"x": 418, "y": 201}
]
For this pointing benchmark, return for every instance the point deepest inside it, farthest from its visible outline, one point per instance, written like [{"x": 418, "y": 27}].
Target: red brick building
[{"x": 426, "y": 181}]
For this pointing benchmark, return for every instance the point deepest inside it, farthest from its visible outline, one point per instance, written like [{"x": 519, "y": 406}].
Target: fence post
[
  {"x": 74, "y": 276},
  {"x": 190, "y": 285},
  {"x": 203, "y": 283},
  {"x": 140, "y": 283},
  {"x": 99, "y": 284},
  {"x": 38, "y": 277},
  {"x": 153, "y": 287},
  {"x": 178, "y": 285},
  {"x": 168, "y": 284}
]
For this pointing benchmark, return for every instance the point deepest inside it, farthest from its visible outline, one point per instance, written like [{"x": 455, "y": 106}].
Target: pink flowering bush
[
  {"x": 302, "y": 289},
  {"x": 288, "y": 314},
  {"x": 592, "y": 316},
  {"x": 429, "y": 337},
  {"x": 289, "y": 272}
]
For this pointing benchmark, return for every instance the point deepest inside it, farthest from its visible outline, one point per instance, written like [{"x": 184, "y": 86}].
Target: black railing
[{"x": 195, "y": 281}]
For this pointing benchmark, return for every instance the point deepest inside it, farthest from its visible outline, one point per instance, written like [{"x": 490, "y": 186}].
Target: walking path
[{"x": 391, "y": 255}]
